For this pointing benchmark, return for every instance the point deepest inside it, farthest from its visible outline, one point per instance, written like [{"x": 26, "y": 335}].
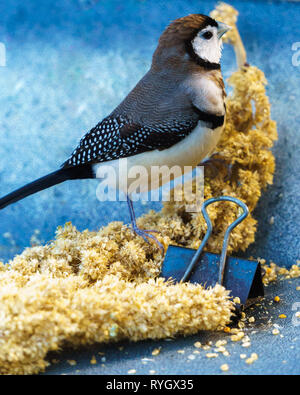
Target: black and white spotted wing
[{"x": 118, "y": 137}]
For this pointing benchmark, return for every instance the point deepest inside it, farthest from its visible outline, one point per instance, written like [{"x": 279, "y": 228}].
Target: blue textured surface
[
  {"x": 276, "y": 354},
  {"x": 69, "y": 64}
]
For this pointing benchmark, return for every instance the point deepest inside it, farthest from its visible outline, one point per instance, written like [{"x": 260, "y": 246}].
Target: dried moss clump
[
  {"x": 44, "y": 312},
  {"x": 102, "y": 286}
]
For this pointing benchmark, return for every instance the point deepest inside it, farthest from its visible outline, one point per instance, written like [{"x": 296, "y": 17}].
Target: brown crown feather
[{"x": 185, "y": 28}]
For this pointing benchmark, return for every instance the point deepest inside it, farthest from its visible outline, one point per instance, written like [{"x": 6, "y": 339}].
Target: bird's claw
[
  {"x": 146, "y": 234},
  {"x": 213, "y": 161}
]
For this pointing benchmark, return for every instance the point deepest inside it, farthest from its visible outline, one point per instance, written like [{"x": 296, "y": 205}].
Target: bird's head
[{"x": 195, "y": 37}]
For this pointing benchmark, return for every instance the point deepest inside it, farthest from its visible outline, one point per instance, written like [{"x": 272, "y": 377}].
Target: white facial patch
[{"x": 209, "y": 49}]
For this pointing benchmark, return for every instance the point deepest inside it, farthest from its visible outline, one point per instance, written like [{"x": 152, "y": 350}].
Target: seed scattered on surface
[
  {"x": 297, "y": 288},
  {"x": 243, "y": 356},
  {"x": 191, "y": 357},
  {"x": 237, "y": 337},
  {"x": 206, "y": 347},
  {"x": 180, "y": 351},
  {"x": 197, "y": 345},
  {"x": 246, "y": 344},
  {"x": 275, "y": 331},
  {"x": 212, "y": 355},
  {"x": 227, "y": 329},
  {"x": 146, "y": 360},
  {"x": 225, "y": 367},
  {"x": 252, "y": 359},
  {"x": 156, "y": 351},
  {"x": 93, "y": 360},
  {"x": 272, "y": 220},
  {"x": 71, "y": 362},
  {"x": 282, "y": 316},
  {"x": 251, "y": 319},
  {"x": 152, "y": 371},
  {"x": 221, "y": 343},
  {"x": 277, "y": 299},
  {"x": 131, "y": 371},
  {"x": 237, "y": 300}
]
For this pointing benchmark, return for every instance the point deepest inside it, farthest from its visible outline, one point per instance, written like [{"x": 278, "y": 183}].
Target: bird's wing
[{"x": 118, "y": 137}]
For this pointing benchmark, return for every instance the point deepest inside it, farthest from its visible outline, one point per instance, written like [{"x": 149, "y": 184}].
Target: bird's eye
[{"x": 207, "y": 35}]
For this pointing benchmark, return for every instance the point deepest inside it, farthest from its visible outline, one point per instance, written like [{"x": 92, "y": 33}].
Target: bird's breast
[{"x": 186, "y": 154}]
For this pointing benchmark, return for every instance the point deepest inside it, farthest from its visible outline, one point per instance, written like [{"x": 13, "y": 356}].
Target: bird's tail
[{"x": 48, "y": 181}]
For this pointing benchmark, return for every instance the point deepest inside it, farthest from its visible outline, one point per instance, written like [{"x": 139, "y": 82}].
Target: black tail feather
[{"x": 48, "y": 181}]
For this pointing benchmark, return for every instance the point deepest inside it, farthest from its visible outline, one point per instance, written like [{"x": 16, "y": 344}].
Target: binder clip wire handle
[{"x": 197, "y": 255}]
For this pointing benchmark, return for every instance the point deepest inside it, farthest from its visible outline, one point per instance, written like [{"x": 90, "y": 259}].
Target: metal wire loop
[{"x": 197, "y": 255}]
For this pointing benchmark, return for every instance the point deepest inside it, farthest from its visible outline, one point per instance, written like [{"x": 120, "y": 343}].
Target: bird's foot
[
  {"x": 214, "y": 162},
  {"x": 146, "y": 235}
]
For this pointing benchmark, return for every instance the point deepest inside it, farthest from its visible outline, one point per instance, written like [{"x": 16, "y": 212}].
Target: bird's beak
[{"x": 222, "y": 29}]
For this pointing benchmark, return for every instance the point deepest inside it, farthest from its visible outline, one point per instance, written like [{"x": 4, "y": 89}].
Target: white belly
[{"x": 186, "y": 154}]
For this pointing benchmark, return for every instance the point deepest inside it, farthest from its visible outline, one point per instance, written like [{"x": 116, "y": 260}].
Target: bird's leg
[
  {"x": 213, "y": 161},
  {"x": 145, "y": 234}
]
